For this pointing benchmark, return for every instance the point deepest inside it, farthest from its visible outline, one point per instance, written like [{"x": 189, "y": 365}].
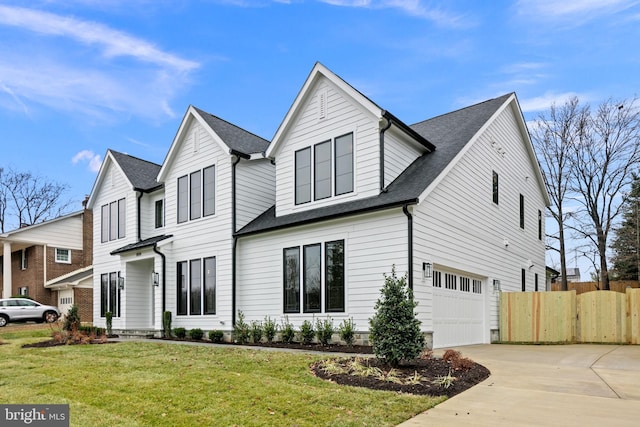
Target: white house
[{"x": 306, "y": 227}]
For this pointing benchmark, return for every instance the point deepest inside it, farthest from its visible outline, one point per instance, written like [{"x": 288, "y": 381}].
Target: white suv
[{"x": 22, "y": 309}]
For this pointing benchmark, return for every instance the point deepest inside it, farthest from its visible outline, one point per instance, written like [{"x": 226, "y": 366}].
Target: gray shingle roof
[
  {"x": 141, "y": 173},
  {"x": 449, "y": 133},
  {"x": 76, "y": 277},
  {"x": 141, "y": 244},
  {"x": 235, "y": 137}
]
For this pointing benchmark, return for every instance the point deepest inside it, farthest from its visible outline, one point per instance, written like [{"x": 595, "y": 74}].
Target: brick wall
[{"x": 83, "y": 298}]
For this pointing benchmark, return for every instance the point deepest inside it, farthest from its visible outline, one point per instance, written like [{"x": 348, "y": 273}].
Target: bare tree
[
  {"x": 27, "y": 199},
  {"x": 606, "y": 153},
  {"x": 554, "y": 136}
]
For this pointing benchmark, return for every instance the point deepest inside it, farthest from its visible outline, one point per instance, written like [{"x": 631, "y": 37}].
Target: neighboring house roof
[
  {"x": 140, "y": 173},
  {"x": 40, "y": 224},
  {"x": 235, "y": 137},
  {"x": 573, "y": 272},
  {"x": 70, "y": 279},
  {"x": 151, "y": 241},
  {"x": 449, "y": 132}
]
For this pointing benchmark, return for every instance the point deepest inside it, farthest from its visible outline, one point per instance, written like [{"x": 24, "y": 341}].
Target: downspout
[
  {"x": 140, "y": 193},
  {"x": 164, "y": 280},
  {"x": 236, "y": 160},
  {"x": 382, "y": 131},
  {"x": 405, "y": 209}
]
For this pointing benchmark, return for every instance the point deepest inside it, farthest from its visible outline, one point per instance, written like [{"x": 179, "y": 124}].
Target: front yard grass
[{"x": 144, "y": 384}]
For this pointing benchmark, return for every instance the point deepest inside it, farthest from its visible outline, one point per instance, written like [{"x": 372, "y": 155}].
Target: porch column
[{"x": 6, "y": 270}]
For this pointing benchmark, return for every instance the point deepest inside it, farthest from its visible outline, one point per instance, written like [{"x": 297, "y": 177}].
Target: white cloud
[
  {"x": 579, "y": 10},
  {"x": 94, "y": 160},
  {"x": 544, "y": 102},
  {"x": 83, "y": 75}
]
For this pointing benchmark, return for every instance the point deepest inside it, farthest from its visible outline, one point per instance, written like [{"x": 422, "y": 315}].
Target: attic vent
[
  {"x": 196, "y": 141},
  {"x": 322, "y": 104}
]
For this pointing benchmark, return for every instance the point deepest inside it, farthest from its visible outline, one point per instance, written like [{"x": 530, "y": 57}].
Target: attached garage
[{"x": 459, "y": 314}]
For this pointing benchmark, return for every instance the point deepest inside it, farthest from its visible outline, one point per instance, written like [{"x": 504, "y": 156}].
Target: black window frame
[
  {"x": 336, "y": 163},
  {"x": 182, "y": 194},
  {"x": 331, "y": 297},
  {"x": 209, "y": 190},
  {"x": 182, "y": 291},
  {"x": 195, "y": 287},
  {"x": 522, "y": 211},
  {"x": 209, "y": 285},
  {"x": 195, "y": 195},
  {"x": 291, "y": 281},
  {"x": 113, "y": 217},
  {"x": 523, "y": 278},
  {"x": 312, "y": 278},
  {"x": 302, "y": 189},
  {"x": 539, "y": 224},
  {"x": 496, "y": 188},
  {"x": 110, "y": 295},
  {"x": 159, "y": 213},
  {"x": 318, "y": 167}
]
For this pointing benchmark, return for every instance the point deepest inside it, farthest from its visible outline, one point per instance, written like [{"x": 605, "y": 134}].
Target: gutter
[
  {"x": 405, "y": 209},
  {"x": 382, "y": 131},
  {"x": 238, "y": 157},
  {"x": 140, "y": 193}
]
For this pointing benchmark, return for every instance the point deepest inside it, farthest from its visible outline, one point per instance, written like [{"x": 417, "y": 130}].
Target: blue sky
[{"x": 80, "y": 76}]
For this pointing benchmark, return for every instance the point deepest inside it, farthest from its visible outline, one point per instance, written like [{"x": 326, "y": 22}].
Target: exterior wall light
[{"x": 427, "y": 270}]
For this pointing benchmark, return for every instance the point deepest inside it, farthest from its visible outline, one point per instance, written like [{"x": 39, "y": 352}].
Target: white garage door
[{"x": 458, "y": 310}]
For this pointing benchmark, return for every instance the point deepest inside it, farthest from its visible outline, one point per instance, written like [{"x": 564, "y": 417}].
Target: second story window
[
  {"x": 330, "y": 163},
  {"x": 495, "y": 187},
  {"x": 521, "y": 211},
  {"x": 196, "y": 194},
  {"x": 159, "y": 213},
  {"x": 113, "y": 220},
  {"x": 63, "y": 256}
]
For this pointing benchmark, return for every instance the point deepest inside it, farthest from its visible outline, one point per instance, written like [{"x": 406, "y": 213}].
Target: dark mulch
[
  {"x": 331, "y": 348},
  {"x": 420, "y": 376},
  {"x": 54, "y": 343}
]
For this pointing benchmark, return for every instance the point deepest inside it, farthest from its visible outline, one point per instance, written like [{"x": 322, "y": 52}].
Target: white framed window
[
  {"x": 23, "y": 259},
  {"x": 63, "y": 256},
  {"x": 23, "y": 291}
]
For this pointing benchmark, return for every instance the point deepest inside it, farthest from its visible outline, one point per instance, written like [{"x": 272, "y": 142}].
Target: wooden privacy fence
[{"x": 564, "y": 317}]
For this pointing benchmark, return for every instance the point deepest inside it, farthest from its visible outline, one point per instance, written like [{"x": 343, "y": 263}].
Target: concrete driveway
[{"x": 558, "y": 385}]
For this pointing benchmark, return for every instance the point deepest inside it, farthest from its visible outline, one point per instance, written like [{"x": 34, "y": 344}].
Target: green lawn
[{"x": 146, "y": 384}]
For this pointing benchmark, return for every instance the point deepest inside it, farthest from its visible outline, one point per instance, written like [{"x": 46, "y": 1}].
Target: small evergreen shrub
[
  {"x": 256, "y": 331},
  {"x": 216, "y": 336},
  {"x": 166, "y": 324},
  {"x": 180, "y": 333},
  {"x": 347, "y": 331},
  {"x": 288, "y": 332},
  {"x": 196, "y": 334},
  {"x": 270, "y": 329},
  {"x": 72, "y": 319},
  {"x": 306, "y": 332},
  {"x": 394, "y": 329},
  {"x": 92, "y": 331},
  {"x": 241, "y": 330},
  {"x": 324, "y": 330},
  {"x": 109, "y": 319}
]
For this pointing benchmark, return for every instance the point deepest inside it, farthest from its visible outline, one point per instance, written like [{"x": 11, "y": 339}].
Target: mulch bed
[
  {"x": 430, "y": 373},
  {"x": 54, "y": 343}
]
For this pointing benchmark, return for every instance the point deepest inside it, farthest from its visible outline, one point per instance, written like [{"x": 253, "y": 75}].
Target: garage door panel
[{"x": 458, "y": 317}]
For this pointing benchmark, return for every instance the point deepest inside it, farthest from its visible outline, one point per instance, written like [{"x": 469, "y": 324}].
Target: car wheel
[
  {"x": 50, "y": 317},
  {"x": 3, "y": 321}
]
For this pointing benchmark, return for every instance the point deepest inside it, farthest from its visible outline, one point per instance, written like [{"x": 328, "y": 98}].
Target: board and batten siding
[
  {"x": 343, "y": 115},
  {"x": 255, "y": 189},
  {"x": 459, "y": 227},
  {"x": 373, "y": 244},
  {"x": 148, "y": 214},
  {"x": 209, "y": 236},
  {"x": 114, "y": 187}
]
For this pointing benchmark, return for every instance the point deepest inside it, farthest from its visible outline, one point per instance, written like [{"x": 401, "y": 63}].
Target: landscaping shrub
[
  {"x": 324, "y": 330},
  {"x": 71, "y": 319},
  {"x": 270, "y": 329},
  {"x": 288, "y": 332},
  {"x": 109, "y": 319},
  {"x": 347, "y": 331},
  {"x": 394, "y": 329},
  {"x": 457, "y": 361},
  {"x": 180, "y": 333},
  {"x": 306, "y": 332},
  {"x": 241, "y": 329},
  {"x": 166, "y": 324},
  {"x": 216, "y": 336},
  {"x": 256, "y": 331},
  {"x": 196, "y": 334},
  {"x": 92, "y": 330}
]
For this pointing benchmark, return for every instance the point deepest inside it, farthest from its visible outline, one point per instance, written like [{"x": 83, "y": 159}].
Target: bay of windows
[
  {"x": 196, "y": 194},
  {"x": 321, "y": 275},
  {"x": 196, "y": 286},
  {"x": 330, "y": 163},
  {"x": 113, "y": 220},
  {"x": 110, "y": 294}
]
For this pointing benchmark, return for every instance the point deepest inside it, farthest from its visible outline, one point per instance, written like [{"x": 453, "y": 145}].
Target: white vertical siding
[
  {"x": 255, "y": 189},
  {"x": 148, "y": 214},
  {"x": 343, "y": 115},
  {"x": 373, "y": 244},
  {"x": 459, "y": 227}
]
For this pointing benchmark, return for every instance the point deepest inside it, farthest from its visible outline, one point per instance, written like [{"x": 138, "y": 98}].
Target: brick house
[{"x": 51, "y": 262}]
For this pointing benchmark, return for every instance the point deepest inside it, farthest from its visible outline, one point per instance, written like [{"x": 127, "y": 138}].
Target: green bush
[
  {"x": 180, "y": 333},
  {"x": 324, "y": 330},
  {"x": 256, "y": 331},
  {"x": 306, "y": 332},
  {"x": 241, "y": 329},
  {"x": 347, "y": 331},
  {"x": 288, "y": 332},
  {"x": 71, "y": 319},
  {"x": 270, "y": 329},
  {"x": 394, "y": 329},
  {"x": 109, "y": 319},
  {"x": 196, "y": 334},
  {"x": 216, "y": 336},
  {"x": 166, "y": 324},
  {"x": 92, "y": 330}
]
